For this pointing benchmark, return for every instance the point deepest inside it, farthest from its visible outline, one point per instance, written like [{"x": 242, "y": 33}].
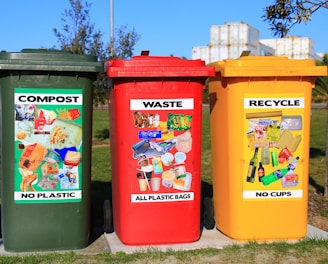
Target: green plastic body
[{"x": 46, "y": 225}]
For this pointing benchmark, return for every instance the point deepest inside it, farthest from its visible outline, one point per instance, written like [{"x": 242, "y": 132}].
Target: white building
[
  {"x": 228, "y": 41},
  {"x": 292, "y": 47}
]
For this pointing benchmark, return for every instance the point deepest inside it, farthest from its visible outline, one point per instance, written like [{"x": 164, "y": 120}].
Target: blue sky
[{"x": 167, "y": 27}]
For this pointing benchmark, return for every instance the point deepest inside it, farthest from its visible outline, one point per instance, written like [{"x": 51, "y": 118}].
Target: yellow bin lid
[{"x": 265, "y": 66}]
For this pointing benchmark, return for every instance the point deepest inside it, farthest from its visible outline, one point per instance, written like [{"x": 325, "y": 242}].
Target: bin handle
[{"x": 213, "y": 100}]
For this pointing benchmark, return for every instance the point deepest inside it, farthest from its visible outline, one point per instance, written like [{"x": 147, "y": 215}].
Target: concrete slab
[
  {"x": 97, "y": 247},
  {"x": 110, "y": 243},
  {"x": 209, "y": 239}
]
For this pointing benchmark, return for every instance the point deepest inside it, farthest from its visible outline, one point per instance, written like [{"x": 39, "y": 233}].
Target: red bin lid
[{"x": 158, "y": 66}]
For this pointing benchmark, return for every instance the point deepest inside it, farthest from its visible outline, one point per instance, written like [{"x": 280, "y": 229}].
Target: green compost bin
[{"x": 46, "y": 126}]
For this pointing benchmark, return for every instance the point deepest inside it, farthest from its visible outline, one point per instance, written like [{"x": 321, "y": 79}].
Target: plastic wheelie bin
[
  {"x": 260, "y": 126},
  {"x": 46, "y": 114},
  {"x": 155, "y": 126}
]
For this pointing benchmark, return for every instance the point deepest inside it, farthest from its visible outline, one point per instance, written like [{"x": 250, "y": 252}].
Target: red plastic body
[{"x": 155, "y": 109}]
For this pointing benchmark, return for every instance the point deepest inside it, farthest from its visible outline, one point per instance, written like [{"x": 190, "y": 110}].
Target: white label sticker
[
  {"x": 255, "y": 103},
  {"x": 162, "y": 197},
  {"x": 272, "y": 194},
  {"x": 67, "y": 195},
  {"x": 49, "y": 99},
  {"x": 162, "y": 104}
]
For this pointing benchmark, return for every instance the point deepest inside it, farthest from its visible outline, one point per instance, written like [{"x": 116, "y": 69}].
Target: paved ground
[
  {"x": 209, "y": 239},
  {"x": 109, "y": 243}
]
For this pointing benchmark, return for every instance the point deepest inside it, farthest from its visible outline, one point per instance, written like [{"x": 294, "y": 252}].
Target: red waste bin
[{"x": 155, "y": 132}]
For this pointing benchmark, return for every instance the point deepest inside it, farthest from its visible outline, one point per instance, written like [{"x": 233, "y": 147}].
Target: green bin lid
[
  {"x": 48, "y": 60},
  {"x": 158, "y": 66}
]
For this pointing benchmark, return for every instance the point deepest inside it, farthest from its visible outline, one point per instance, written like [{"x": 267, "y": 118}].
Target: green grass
[
  {"x": 100, "y": 127},
  {"x": 101, "y": 177},
  {"x": 304, "y": 251},
  {"x": 101, "y": 169},
  {"x": 317, "y": 164},
  {"x": 206, "y": 172}
]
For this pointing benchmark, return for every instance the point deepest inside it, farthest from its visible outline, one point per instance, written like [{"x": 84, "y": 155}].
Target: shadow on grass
[
  {"x": 100, "y": 191},
  {"x": 102, "y": 134},
  {"x": 315, "y": 152},
  {"x": 318, "y": 188}
]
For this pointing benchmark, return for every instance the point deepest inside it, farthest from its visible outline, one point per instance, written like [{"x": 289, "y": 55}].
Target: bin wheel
[
  {"x": 209, "y": 221},
  {"x": 107, "y": 216}
]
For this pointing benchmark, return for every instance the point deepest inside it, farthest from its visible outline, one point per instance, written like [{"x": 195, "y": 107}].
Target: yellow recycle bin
[{"x": 260, "y": 129}]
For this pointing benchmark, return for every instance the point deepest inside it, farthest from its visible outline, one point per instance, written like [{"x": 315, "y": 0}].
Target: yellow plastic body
[{"x": 280, "y": 91}]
